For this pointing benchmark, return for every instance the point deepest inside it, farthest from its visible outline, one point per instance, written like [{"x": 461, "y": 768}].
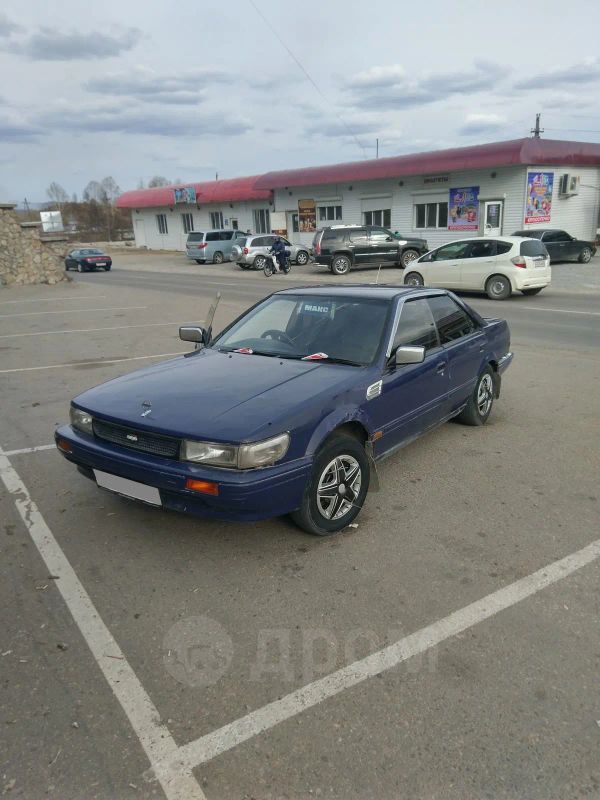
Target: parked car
[
  {"x": 285, "y": 410},
  {"x": 86, "y": 259},
  {"x": 341, "y": 247},
  {"x": 497, "y": 266},
  {"x": 561, "y": 246},
  {"x": 251, "y": 253},
  {"x": 211, "y": 246}
]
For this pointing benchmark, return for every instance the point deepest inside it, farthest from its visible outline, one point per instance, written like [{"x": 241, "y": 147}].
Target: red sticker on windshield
[
  {"x": 247, "y": 351},
  {"x": 315, "y": 357}
]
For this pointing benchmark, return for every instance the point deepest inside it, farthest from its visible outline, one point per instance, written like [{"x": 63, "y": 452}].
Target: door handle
[{"x": 441, "y": 368}]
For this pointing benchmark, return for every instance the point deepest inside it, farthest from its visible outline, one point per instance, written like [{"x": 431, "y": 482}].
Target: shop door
[{"x": 492, "y": 218}]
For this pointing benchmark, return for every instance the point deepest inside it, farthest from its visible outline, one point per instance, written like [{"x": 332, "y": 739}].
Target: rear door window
[
  {"x": 485, "y": 249},
  {"x": 213, "y": 236},
  {"x": 451, "y": 320},
  {"x": 226, "y": 235},
  {"x": 556, "y": 236},
  {"x": 197, "y": 236},
  {"x": 533, "y": 247},
  {"x": 359, "y": 236}
]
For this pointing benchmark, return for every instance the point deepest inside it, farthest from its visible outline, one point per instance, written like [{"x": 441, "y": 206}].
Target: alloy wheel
[
  {"x": 338, "y": 487},
  {"x": 485, "y": 394}
]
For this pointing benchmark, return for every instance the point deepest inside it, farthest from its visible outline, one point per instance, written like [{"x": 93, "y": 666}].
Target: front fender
[{"x": 340, "y": 416}]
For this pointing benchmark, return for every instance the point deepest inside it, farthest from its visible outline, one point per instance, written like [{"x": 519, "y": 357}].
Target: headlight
[
  {"x": 217, "y": 455},
  {"x": 81, "y": 420},
  {"x": 260, "y": 454},
  {"x": 245, "y": 456}
]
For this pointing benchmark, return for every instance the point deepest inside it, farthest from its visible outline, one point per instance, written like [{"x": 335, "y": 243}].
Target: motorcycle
[{"x": 272, "y": 265}]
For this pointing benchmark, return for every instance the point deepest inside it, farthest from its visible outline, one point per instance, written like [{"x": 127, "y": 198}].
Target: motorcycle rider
[{"x": 278, "y": 250}]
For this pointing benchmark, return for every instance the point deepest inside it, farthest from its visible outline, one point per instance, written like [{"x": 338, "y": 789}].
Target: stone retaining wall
[{"x": 26, "y": 254}]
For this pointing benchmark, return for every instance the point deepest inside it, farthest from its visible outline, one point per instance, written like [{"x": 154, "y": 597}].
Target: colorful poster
[
  {"x": 538, "y": 203},
  {"x": 307, "y": 216},
  {"x": 463, "y": 209},
  {"x": 187, "y": 194}
]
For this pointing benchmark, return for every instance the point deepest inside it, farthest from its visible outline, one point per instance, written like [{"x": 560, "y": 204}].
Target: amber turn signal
[
  {"x": 63, "y": 445},
  {"x": 205, "y": 487}
]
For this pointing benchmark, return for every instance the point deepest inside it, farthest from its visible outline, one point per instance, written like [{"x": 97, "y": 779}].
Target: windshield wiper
[{"x": 332, "y": 360}]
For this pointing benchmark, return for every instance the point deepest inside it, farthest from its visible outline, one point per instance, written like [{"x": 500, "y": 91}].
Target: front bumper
[{"x": 244, "y": 495}]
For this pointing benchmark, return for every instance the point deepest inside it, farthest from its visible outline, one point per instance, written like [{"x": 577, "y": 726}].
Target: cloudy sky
[{"x": 134, "y": 89}]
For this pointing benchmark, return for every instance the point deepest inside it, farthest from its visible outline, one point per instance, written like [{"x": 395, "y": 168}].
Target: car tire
[
  {"x": 327, "y": 493},
  {"x": 259, "y": 262},
  {"x": 585, "y": 256},
  {"x": 218, "y": 257},
  {"x": 197, "y": 260},
  {"x": 340, "y": 265},
  {"x": 498, "y": 287},
  {"x": 479, "y": 407},
  {"x": 81, "y": 268},
  {"x": 414, "y": 279},
  {"x": 106, "y": 269},
  {"x": 530, "y": 292},
  {"x": 407, "y": 257},
  {"x": 244, "y": 266},
  {"x": 302, "y": 258}
]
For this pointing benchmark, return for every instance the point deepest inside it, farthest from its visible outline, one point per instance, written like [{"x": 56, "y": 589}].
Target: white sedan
[{"x": 497, "y": 266}]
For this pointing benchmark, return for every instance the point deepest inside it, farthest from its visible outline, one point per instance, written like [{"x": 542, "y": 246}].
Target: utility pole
[
  {"x": 216, "y": 176},
  {"x": 377, "y": 148},
  {"x": 537, "y": 130}
]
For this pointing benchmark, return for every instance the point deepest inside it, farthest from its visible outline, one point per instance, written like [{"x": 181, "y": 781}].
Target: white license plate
[
  {"x": 100, "y": 263},
  {"x": 138, "y": 491}
]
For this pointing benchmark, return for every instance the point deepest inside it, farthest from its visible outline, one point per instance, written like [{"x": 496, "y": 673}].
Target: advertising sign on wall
[
  {"x": 307, "y": 216},
  {"x": 463, "y": 209},
  {"x": 187, "y": 194},
  {"x": 538, "y": 202}
]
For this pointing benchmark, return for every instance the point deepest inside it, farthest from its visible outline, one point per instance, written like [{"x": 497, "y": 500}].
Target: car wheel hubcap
[
  {"x": 414, "y": 282},
  {"x": 408, "y": 258},
  {"x": 302, "y": 258},
  {"x": 339, "y": 487},
  {"x": 586, "y": 255},
  {"x": 497, "y": 287},
  {"x": 485, "y": 394},
  {"x": 339, "y": 265}
]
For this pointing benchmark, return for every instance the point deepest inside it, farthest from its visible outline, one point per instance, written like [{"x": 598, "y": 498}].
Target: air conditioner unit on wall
[{"x": 569, "y": 185}]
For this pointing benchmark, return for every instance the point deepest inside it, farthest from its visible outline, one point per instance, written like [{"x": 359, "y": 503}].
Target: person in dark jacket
[{"x": 278, "y": 250}]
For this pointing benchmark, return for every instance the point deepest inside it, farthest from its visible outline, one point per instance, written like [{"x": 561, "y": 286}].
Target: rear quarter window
[
  {"x": 198, "y": 236},
  {"x": 213, "y": 236},
  {"x": 503, "y": 247},
  {"x": 329, "y": 235},
  {"x": 533, "y": 247}
]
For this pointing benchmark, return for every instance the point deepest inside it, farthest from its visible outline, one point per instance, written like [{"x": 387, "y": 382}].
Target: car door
[
  {"x": 463, "y": 342},
  {"x": 479, "y": 263},
  {"x": 384, "y": 247},
  {"x": 71, "y": 259},
  {"x": 414, "y": 397},
  {"x": 359, "y": 245},
  {"x": 557, "y": 244},
  {"x": 444, "y": 269}
]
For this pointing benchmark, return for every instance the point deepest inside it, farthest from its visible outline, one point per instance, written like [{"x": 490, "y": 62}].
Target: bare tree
[
  {"x": 157, "y": 180},
  {"x": 110, "y": 188},
  {"x": 94, "y": 191},
  {"x": 57, "y": 194}
]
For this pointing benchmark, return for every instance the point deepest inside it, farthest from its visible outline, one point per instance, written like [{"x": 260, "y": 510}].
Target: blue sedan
[{"x": 285, "y": 411}]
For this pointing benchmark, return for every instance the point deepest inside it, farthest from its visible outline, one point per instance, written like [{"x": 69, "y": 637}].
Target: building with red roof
[{"x": 489, "y": 189}]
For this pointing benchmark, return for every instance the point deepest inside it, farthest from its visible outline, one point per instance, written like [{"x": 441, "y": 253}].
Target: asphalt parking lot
[{"x": 446, "y": 648}]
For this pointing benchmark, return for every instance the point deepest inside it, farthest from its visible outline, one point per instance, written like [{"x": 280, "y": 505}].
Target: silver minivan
[{"x": 213, "y": 247}]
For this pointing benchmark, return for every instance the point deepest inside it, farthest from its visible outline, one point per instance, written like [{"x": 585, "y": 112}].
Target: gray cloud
[
  {"x": 15, "y": 129},
  {"x": 575, "y": 75},
  {"x": 336, "y": 128},
  {"x": 50, "y": 44},
  {"x": 389, "y": 88},
  {"x": 140, "y": 121},
  {"x": 7, "y": 26},
  {"x": 186, "y": 88},
  {"x": 476, "y": 124}
]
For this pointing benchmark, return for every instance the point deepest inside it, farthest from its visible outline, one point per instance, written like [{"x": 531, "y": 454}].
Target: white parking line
[
  {"x": 561, "y": 310},
  {"x": 29, "y": 450},
  {"x": 91, "y": 363},
  {"x": 89, "y": 330},
  {"x": 211, "y": 745},
  {"x": 160, "y": 747},
  {"x": 53, "y": 299},
  {"x": 69, "y": 311}
]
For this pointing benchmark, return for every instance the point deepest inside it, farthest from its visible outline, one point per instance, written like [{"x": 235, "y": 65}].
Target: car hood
[{"x": 228, "y": 397}]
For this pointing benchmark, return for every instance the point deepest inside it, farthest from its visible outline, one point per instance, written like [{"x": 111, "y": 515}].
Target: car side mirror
[
  {"x": 190, "y": 333},
  {"x": 390, "y": 239},
  {"x": 409, "y": 354}
]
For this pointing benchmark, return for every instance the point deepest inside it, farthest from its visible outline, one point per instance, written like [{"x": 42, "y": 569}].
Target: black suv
[{"x": 341, "y": 247}]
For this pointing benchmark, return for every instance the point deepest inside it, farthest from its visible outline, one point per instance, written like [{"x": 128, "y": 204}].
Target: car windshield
[
  {"x": 89, "y": 251},
  {"x": 318, "y": 327}
]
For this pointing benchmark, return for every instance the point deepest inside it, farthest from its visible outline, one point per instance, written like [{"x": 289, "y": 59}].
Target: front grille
[{"x": 144, "y": 442}]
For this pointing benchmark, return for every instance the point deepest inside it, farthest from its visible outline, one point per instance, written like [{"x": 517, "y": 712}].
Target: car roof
[
  {"x": 512, "y": 239},
  {"x": 369, "y": 290}
]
